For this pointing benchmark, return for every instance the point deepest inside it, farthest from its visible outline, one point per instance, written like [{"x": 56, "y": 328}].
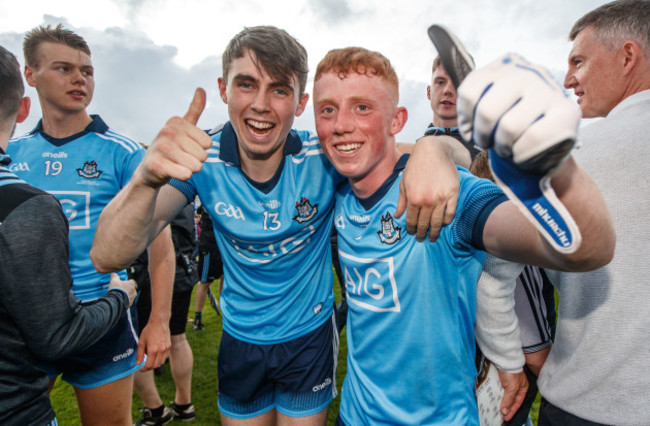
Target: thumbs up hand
[{"x": 179, "y": 149}]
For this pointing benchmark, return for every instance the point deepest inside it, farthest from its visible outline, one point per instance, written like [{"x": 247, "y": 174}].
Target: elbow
[
  {"x": 102, "y": 264},
  {"x": 598, "y": 254}
]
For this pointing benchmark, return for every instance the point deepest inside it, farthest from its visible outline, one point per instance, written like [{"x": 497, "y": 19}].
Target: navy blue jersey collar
[
  {"x": 367, "y": 203},
  {"x": 4, "y": 159},
  {"x": 95, "y": 126},
  {"x": 228, "y": 153},
  {"x": 228, "y": 144},
  {"x": 435, "y": 130}
]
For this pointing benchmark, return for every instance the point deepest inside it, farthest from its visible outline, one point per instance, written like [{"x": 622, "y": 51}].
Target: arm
[
  {"x": 521, "y": 114},
  {"x": 497, "y": 331},
  {"x": 144, "y": 207},
  {"x": 154, "y": 339},
  {"x": 509, "y": 235},
  {"x": 37, "y": 294},
  {"x": 429, "y": 188}
]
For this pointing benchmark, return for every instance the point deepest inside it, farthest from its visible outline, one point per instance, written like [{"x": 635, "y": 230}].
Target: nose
[
  {"x": 78, "y": 76},
  {"x": 260, "y": 102},
  {"x": 343, "y": 122},
  {"x": 449, "y": 89},
  {"x": 569, "y": 80}
]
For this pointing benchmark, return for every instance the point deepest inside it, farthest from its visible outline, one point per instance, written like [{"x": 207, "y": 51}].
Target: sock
[
  {"x": 158, "y": 412},
  {"x": 182, "y": 407},
  {"x": 197, "y": 316}
]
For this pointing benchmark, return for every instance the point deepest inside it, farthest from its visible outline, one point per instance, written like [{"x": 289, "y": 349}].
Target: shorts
[
  {"x": 210, "y": 266},
  {"x": 180, "y": 308},
  {"x": 297, "y": 378},
  {"x": 535, "y": 309},
  {"x": 110, "y": 359}
]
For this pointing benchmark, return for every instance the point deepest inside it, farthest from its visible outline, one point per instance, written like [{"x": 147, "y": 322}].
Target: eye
[
  {"x": 363, "y": 108},
  {"x": 88, "y": 73},
  {"x": 281, "y": 92},
  {"x": 63, "y": 68}
]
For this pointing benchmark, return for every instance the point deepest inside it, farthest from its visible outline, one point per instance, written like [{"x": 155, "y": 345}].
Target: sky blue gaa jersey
[
  {"x": 84, "y": 171},
  {"x": 273, "y": 238},
  {"x": 412, "y": 308}
]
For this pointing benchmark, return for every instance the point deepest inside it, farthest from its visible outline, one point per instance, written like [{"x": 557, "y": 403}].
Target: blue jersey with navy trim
[
  {"x": 412, "y": 308},
  {"x": 84, "y": 172},
  {"x": 273, "y": 237}
]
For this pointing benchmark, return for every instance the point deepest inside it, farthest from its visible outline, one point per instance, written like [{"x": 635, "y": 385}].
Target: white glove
[{"x": 519, "y": 111}]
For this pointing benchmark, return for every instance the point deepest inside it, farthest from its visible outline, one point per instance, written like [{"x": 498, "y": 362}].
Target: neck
[
  {"x": 61, "y": 125},
  {"x": 365, "y": 186},
  {"x": 445, "y": 124},
  {"x": 260, "y": 169}
]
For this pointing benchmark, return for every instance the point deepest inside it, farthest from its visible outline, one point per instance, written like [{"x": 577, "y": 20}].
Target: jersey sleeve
[
  {"x": 478, "y": 198},
  {"x": 131, "y": 163},
  {"x": 36, "y": 283}
]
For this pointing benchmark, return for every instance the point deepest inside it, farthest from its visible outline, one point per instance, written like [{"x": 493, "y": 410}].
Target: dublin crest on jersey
[
  {"x": 305, "y": 210},
  {"x": 389, "y": 233},
  {"x": 89, "y": 170}
]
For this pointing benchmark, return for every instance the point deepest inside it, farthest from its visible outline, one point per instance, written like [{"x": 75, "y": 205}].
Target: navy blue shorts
[
  {"x": 110, "y": 359},
  {"x": 210, "y": 266},
  {"x": 296, "y": 377}
]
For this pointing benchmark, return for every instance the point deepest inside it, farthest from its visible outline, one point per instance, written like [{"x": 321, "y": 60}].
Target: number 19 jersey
[{"x": 84, "y": 172}]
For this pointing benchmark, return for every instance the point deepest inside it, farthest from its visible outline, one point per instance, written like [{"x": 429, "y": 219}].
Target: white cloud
[{"x": 151, "y": 54}]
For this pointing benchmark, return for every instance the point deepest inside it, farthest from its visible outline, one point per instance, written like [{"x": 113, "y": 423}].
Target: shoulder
[{"x": 14, "y": 196}]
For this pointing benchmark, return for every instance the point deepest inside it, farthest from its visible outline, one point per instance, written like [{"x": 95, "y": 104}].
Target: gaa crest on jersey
[
  {"x": 89, "y": 170},
  {"x": 305, "y": 210},
  {"x": 389, "y": 233}
]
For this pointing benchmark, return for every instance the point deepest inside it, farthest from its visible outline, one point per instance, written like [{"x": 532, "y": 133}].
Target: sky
[{"x": 150, "y": 55}]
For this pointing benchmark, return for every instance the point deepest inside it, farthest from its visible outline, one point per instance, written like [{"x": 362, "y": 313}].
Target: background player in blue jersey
[
  {"x": 39, "y": 319},
  {"x": 82, "y": 162},
  {"x": 270, "y": 193},
  {"x": 412, "y": 306}
]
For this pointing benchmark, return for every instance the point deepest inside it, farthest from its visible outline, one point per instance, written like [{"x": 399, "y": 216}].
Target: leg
[
  {"x": 266, "y": 419},
  {"x": 318, "y": 419},
  {"x": 181, "y": 362},
  {"x": 145, "y": 386},
  {"x": 200, "y": 294},
  {"x": 109, "y": 404}
]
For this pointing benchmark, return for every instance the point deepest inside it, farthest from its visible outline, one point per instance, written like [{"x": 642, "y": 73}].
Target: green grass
[{"x": 205, "y": 345}]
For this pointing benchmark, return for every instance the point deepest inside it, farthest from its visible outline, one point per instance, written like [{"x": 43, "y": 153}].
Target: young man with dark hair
[
  {"x": 412, "y": 306},
  {"x": 40, "y": 320},
  {"x": 270, "y": 193},
  {"x": 81, "y": 161}
]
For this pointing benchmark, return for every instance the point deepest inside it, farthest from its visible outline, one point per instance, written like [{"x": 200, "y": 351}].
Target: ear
[
  {"x": 401, "y": 115},
  {"x": 429, "y": 92},
  {"x": 29, "y": 76},
  {"x": 222, "y": 90},
  {"x": 631, "y": 53},
  {"x": 302, "y": 103},
  {"x": 23, "y": 109}
]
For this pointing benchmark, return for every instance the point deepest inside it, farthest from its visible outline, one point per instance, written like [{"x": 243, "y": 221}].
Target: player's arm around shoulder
[{"x": 509, "y": 235}]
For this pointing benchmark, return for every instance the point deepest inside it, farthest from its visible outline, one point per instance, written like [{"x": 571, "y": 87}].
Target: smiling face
[
  {"x": 595, "y": 74},
  {"x": 261, "y": 108},
  {"x": 356, "y": 120},
  {"x": 442, "y": 95},
  {"x": 64, "y": 78}
]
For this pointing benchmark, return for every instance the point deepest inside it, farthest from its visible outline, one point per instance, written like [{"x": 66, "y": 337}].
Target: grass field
[{"x": 205, "y": 345}]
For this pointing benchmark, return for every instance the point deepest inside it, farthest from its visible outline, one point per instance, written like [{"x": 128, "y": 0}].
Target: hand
[
  {"x": 428, "y": 190},
  {"x": 179, "y": 149},
  {"x": 128, "y": 286},
  {"x": 155, "y": 342},
  {"x": 519, "y": 111},
  {"x": 515, "y": 386}
]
